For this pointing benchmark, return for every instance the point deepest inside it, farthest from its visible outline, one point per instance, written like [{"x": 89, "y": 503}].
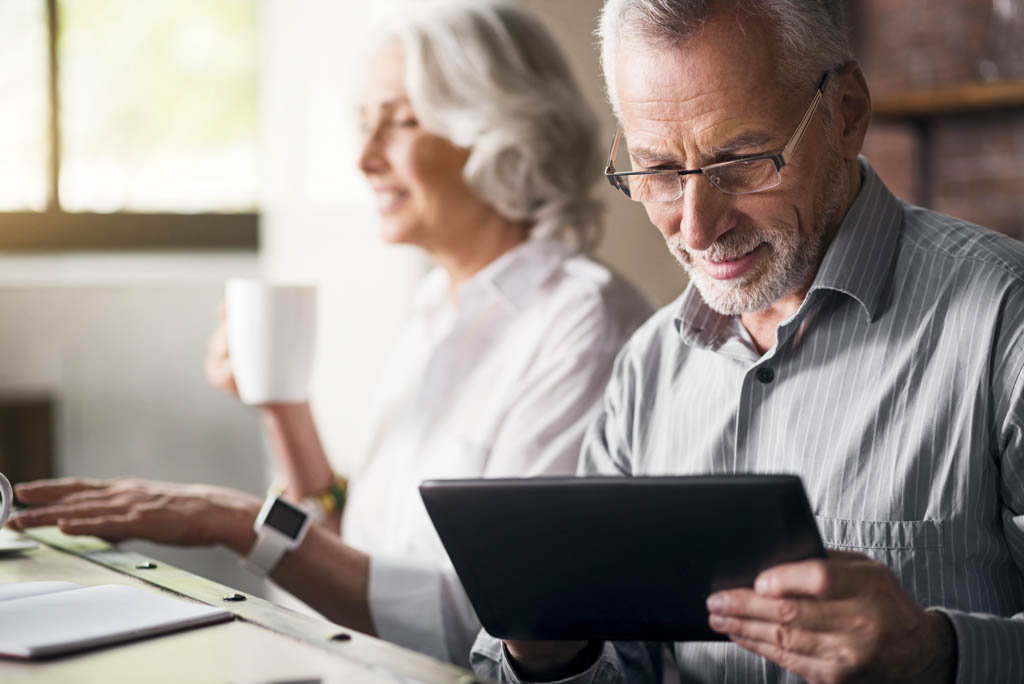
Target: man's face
[{"x": 718, "y": 97}]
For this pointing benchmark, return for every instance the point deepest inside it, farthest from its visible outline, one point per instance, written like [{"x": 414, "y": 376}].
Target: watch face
[{"x": 285, "y": 518}]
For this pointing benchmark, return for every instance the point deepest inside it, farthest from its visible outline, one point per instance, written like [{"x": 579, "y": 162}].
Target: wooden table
[{"x": 265, "y": 643}]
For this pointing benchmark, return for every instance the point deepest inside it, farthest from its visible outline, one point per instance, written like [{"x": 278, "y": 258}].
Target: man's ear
[{"x": 853, "y": 110}]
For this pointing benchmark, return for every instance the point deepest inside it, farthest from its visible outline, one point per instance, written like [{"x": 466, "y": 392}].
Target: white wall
[{"x": 118, "y": 342}]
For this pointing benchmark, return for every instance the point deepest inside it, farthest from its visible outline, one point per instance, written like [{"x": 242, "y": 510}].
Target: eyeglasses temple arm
[
  {"x": 805, "y": 122},
  {"x": 610, "y": 166}
]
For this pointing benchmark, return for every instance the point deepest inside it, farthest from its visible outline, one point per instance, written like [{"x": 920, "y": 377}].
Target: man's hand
[
  {"x": 542, "y": 661},
  {"x": 844, "y": 619},
  {"x": 125, "y": 508}
]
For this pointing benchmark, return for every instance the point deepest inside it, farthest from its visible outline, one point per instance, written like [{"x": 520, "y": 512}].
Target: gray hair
[
  {"x": 812, "y": 34},
  {"x": 489, "y": 77}
]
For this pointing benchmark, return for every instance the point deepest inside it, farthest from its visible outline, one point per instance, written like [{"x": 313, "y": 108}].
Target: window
[{"x": 128, "y": 124}]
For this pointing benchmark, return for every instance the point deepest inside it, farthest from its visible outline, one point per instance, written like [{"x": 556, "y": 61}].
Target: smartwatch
[
  {"x": 280, "y": 527},
  {"x": 320, "y": 505}
]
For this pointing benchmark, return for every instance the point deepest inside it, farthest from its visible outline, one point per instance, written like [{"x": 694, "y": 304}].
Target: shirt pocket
[
  {"x": 880, "y": 535},
  {"x": 912, "y": 549}
]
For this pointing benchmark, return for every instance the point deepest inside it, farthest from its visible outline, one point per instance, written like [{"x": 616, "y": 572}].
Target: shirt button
[{"x": 765, "y": 374}]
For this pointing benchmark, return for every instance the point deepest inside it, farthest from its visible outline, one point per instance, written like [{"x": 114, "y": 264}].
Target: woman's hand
[
  {"x": 128, "y": 508},
  {"x": 218, "y": 357}
]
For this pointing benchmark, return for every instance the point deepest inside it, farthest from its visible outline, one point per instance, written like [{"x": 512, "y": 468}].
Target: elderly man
[{"x": 830, "y": 330}]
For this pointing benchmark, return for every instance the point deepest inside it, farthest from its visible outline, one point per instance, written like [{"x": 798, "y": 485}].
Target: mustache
[{"x": 727, "y": 247}]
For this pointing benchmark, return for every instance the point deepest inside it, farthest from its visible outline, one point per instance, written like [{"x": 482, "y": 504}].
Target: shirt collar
[
  {"x": 861, "y": 258},
  {"x": 858, "y": 263},
  {"x": 510, "y": 279}
]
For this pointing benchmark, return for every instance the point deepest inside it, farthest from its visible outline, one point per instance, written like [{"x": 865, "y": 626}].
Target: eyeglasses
[{"x": 735, "y": 177}]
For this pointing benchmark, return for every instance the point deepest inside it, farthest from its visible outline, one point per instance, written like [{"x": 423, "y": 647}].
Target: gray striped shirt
[{"x": 895, "y": 392}]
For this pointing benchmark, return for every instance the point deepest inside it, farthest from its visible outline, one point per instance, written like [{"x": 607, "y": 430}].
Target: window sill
[{"x": 73, "y": 232}]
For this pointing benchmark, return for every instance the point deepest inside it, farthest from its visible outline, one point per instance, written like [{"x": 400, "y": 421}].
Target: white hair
[
  {"x": 489, "y": 77},
  {"x": 812, "y": 34}
]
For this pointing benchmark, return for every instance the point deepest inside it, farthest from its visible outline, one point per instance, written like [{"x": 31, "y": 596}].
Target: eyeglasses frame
[{"x": 614, "y": 177}]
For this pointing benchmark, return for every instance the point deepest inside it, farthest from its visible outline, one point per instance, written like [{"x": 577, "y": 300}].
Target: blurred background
[{"x": 150, "y": 150}]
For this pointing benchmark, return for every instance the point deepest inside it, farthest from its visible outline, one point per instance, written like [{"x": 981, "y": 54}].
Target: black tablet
[{"x": 615, "y": 558}]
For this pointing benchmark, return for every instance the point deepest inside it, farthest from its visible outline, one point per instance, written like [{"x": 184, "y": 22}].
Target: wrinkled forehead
[
  {"x": 727, "y": 69},
  {"x": 383, "y": 77}
]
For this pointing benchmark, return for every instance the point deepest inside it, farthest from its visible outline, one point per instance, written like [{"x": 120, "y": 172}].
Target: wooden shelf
[{"x": 966, "y": 97}]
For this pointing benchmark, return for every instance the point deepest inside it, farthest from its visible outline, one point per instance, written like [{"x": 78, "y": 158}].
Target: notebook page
[
  {"x": 21, "y": 589},
  {"x": 52, "y": 624}
]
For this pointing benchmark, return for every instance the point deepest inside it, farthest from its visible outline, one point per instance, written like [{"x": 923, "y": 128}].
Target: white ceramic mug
[
  {"x": 271, "y": 339},
  {"x": 8, "y": 499}
]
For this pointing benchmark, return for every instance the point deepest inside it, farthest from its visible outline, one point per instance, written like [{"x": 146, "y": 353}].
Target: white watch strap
[{"x": 267, "y": 551}]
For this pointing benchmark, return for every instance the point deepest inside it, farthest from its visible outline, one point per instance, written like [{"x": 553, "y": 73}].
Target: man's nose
[{"x": 705, "y": 214}]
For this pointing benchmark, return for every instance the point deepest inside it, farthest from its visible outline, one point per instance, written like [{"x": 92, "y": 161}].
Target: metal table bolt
[
  {"x": 341, "y": 636},
  {"x": 147, "y": 565},
  {"x": 233, "y": 597}
]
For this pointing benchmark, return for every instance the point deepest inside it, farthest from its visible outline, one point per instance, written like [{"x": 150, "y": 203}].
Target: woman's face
[{"x": 416, "y": 176}]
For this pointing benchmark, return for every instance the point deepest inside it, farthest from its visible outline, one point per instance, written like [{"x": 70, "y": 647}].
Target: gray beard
[{"x": 790, "y": 262}]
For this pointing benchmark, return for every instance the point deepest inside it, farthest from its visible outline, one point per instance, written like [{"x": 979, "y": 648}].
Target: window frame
[{"x": 54, "y": 229}]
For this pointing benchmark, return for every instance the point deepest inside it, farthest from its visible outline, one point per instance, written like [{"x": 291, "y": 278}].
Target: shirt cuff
[
  {"x": 405, "y": 605},
  {"x": 989, "y": 648},
  {"x": 490, "y": 659}
]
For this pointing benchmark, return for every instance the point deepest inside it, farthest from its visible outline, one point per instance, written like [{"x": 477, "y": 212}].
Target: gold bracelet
[
  {"x": 332, "y": 499},
  {"x": 321, "y": 504}
]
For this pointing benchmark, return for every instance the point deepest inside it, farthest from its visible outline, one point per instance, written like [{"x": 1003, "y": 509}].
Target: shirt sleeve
[
  {"x": 422, "y": 606},
  {"x": 558, "y": 397},
  {"x": 609, "y": 447},
  {"x": 619, "y": 663},
  {"x": 990, "y": 648}
]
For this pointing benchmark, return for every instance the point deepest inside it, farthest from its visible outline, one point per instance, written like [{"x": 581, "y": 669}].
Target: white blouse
[{"x": 499, "y": 381}]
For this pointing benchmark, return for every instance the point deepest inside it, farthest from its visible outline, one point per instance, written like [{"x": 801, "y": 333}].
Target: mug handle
[{"x": 8, "y": 499}]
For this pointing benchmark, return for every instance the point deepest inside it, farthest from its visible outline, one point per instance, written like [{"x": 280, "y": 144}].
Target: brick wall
[{"x": 968, "y": 164}]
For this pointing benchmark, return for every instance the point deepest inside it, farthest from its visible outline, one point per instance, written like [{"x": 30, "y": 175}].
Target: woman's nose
[{"x": 371, "y": 157}]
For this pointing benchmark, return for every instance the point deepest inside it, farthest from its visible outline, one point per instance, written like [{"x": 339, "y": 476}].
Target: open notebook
[{"x": 40, "y": 619}]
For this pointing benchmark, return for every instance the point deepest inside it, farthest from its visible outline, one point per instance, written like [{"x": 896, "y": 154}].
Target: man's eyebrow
[
  {"x": 651, "y": 156},
  {"x": 743, "y": 141}
]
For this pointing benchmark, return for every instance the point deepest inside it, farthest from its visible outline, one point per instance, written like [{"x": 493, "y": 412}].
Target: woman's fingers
[
  {"x": 45, "y": 491},
  {"x": 112, "y": 528},
  {"x": 50, "y": 515},
  {"x": 218, "y": 358},
  {"x": 130, "y": 508},
  {"x": 217, "y": 347}
]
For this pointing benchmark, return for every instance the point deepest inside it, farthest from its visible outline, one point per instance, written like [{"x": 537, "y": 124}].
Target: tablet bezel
[{"x": 607, "y": 557}]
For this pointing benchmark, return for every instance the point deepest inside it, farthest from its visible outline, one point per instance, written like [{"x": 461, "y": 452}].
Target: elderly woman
[{"x": 479, "y": 149}]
